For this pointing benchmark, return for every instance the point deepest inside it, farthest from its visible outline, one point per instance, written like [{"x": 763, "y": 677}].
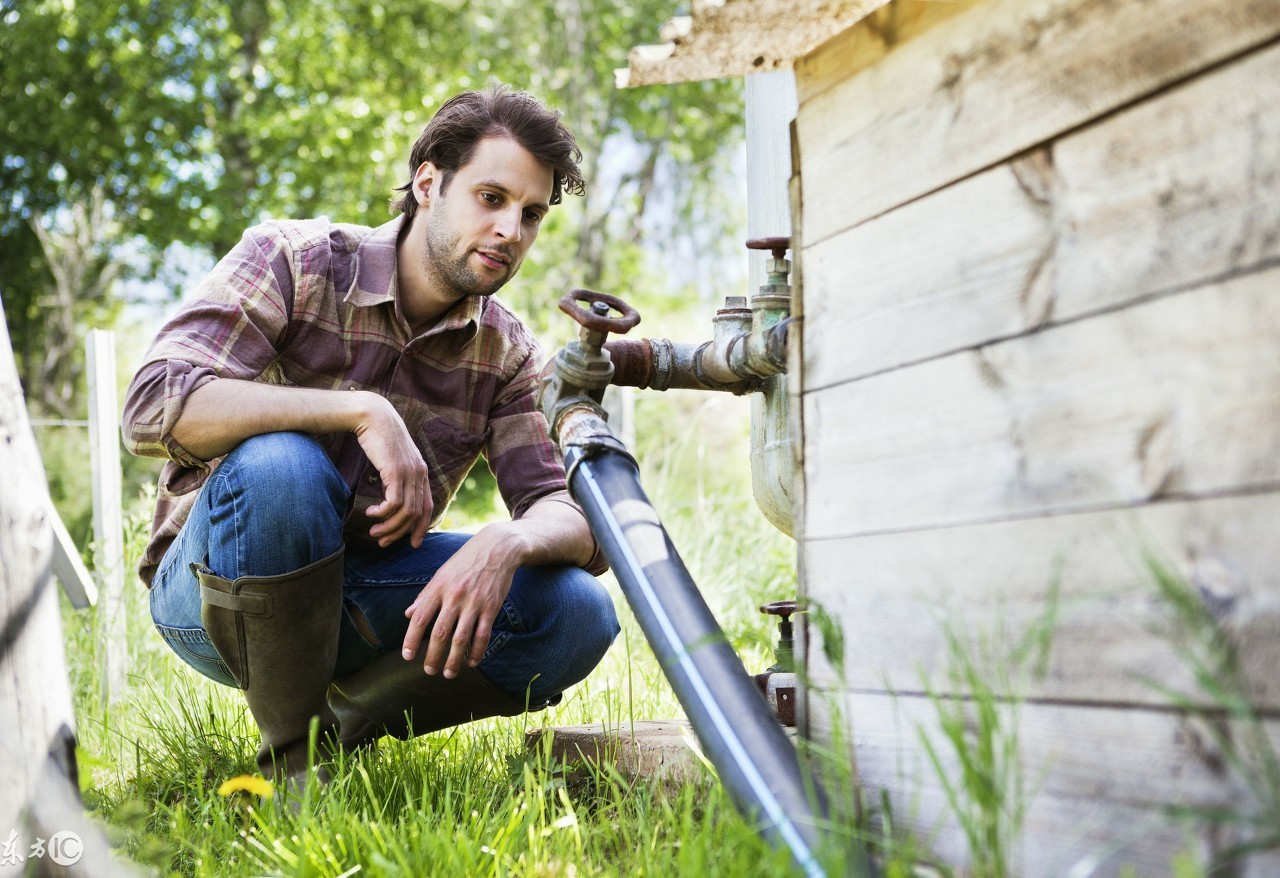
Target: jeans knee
[
  {"x": 587, "y": 617},
  {"x": 276, "y": 503},
  {"x": 281, "y": 475}
]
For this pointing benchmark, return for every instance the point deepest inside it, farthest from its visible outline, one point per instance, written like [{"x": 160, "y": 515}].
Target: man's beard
[{"x": 443, "y": 261}]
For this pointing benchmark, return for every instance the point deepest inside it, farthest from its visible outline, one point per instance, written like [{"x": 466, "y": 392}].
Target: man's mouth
[{"x": 494, "y": 258}]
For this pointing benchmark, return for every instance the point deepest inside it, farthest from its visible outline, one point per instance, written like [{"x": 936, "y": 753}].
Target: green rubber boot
[
  {"x": 391, "y": 696},
  {"x": 278, "y": 636}
]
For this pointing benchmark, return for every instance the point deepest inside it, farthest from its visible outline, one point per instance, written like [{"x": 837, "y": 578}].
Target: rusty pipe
[{"x": 663, "y": 364}]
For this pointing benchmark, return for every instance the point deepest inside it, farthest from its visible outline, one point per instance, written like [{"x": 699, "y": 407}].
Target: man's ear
[{"x": 423, "y": 179}]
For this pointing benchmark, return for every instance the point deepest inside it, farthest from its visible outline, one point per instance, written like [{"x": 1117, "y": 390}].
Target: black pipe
[{"x": 757, "y": 763}]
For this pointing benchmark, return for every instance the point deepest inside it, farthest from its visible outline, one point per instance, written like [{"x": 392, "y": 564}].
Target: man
[{"x": 320, "y": 401}]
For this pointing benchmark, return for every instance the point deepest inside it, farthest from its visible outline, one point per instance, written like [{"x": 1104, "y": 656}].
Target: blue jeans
[{"x": 276, "y": 504}]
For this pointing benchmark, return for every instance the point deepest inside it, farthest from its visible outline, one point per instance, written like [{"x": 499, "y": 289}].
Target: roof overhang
[{"x": 736, "y": 37}]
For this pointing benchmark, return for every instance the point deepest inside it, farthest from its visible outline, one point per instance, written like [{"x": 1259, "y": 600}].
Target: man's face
[{"x": 478, "y": 231}]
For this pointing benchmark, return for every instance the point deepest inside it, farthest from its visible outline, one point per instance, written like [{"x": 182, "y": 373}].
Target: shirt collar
[
  {"x": 375, "y": 275},
  {"x": 375, "y": 281}
]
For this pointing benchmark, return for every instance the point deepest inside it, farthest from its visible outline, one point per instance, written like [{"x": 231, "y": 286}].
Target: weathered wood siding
[{"x": 1040, "y": 247}]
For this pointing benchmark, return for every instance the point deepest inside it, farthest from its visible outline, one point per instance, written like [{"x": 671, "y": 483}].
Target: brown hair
[{"x": 450, "y": 139}]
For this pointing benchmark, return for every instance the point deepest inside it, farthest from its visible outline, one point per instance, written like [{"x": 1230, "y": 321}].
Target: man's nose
[{"x": 507, "y": 225}]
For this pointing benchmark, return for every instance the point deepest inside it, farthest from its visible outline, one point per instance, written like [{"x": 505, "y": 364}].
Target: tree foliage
[{"x": 195, "y": 118}]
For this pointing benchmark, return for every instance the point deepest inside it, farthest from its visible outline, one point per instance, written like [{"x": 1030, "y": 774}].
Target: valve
[
  {"x": 778, "y": 683},
  {"x": 785, "y": 652},
  {"x": 595, "y": 319},
  {"x": 777, "y": 266},
  {"x": 583, "y": 369}
]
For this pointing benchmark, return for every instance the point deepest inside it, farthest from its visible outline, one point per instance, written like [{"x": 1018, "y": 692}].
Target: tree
[{"x": 196, "y": 118}]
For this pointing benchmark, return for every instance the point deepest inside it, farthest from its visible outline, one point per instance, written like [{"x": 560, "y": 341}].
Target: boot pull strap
[{"x": 249, "y": 604}]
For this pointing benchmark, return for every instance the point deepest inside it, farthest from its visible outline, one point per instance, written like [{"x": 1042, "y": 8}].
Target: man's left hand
[{"x": 463, "y": 598}]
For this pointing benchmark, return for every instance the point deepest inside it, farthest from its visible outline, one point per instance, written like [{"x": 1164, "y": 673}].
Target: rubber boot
[
  {"x": 391, "y": 696},
  {"x": 278, "y": 636}
]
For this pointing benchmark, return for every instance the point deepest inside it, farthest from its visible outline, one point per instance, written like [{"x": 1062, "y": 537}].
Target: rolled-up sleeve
[
  {"x": 229, "y": 329},
  {"x": 524, "y": 460}
]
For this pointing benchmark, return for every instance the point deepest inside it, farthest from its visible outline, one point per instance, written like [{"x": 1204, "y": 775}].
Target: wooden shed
[{"x": 1037, "y": 248}]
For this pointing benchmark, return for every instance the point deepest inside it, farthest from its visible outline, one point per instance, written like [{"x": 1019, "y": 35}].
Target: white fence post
[{"x": 108, "y": 520}]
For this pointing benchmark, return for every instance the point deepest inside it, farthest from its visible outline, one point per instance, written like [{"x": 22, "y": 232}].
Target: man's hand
[
  {"x": 406, "y": 505},
  {"x": 463, "y": 598}
]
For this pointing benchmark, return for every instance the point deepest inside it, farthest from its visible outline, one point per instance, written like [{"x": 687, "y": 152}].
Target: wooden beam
[
  {"x": 1174, "y": 397},
  {"x": 869, "y": 41},
  {"x": 35, "y": 698},
  {"x": 995, "y": 81},
  {"x": 1178, "y": 190},
  {"x": 68, "y": 568}
]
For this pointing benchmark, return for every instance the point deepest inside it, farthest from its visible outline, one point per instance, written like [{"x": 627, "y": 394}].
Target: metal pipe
[
  {"x": 663, "y": 364},
  {"x": 757, "y": 763}
]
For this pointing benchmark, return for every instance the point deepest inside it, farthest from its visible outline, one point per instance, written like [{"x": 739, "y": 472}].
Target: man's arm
[
  {"x": 469, "y": 589},
  {"x": 221, "y": 414}
]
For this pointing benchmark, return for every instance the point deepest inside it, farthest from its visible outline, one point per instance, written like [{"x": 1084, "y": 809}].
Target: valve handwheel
[
  {"x": 594, "y": 317},
  {"x": 777, "y": 247},
  {"x": 781, "y": 608}
]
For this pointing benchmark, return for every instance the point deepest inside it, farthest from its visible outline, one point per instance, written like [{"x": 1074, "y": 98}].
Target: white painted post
[
  {"x": 771, "y": 105},
  {"x": 108, "y": 520}
]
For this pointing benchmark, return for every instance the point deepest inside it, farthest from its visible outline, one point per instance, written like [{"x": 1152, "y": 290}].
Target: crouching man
[{"x": 319, "y": 401}]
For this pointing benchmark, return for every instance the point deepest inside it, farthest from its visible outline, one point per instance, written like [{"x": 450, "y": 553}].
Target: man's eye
[
  {"x": 490, "y": 197},
  {"x": 532, "y": 216}
]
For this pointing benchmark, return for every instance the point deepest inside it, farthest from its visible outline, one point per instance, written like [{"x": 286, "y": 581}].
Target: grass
[
  {"x": 469, "y": 801},
  {"x": 987, "y": 790},
  {"x": 1221, "y": 695}
]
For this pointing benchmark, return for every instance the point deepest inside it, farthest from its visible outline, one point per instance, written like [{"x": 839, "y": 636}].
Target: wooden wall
[{"x": 1040, "y": 253}]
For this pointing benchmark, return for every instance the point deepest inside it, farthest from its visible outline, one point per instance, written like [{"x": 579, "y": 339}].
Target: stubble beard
[{"x": 443, "y": 259}]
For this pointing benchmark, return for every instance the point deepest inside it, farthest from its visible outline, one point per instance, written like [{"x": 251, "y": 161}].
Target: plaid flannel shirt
[{"x": 313, "y": 304}]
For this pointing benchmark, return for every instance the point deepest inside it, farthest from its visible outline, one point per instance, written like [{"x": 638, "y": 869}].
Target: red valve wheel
[{"x": 592, "y": 319}]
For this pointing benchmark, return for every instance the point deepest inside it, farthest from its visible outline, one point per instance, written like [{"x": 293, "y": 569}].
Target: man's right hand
[
  {"x": 221, "y": 414},
  {"x": 406, "y": 506}
]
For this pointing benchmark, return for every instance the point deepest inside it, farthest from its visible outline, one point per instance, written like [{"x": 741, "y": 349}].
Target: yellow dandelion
[{"x": 248, "y": 783}]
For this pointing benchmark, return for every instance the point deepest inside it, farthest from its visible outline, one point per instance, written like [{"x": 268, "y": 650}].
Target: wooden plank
[
  {"x": 867, "y": 42},
  {"x": 68, "y": 568},
  {"x": 1097, "y": 781},
  {"x": 1178, "y": 396},
  {"x": 896, "y": 595},
  {"x": 1176, "y": 191},
  {"x": 108, "y": 516},
  {"x": 994, "y": 81}
]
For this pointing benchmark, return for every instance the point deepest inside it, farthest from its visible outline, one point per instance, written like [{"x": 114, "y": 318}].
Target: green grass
[
  {"x": 469, "y": 801},
  {"x": 987, "y": 791},
  {"x": 1221, "y": 694}
]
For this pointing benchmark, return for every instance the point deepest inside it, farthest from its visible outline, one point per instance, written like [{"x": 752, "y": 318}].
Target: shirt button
[{"x": 372, "y": 478}]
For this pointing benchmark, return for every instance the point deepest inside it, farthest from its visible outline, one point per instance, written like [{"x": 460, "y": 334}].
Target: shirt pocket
[{"x": 452, "y": 449}]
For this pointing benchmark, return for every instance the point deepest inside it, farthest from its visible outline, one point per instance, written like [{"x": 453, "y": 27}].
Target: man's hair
[{"x": 450, "y": 139}]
